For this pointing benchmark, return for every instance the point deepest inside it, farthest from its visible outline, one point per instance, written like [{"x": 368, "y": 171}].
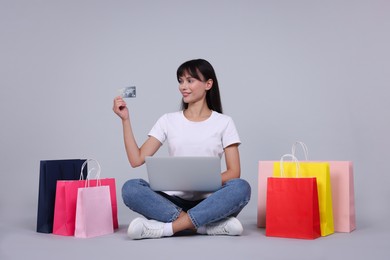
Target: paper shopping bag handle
[
  {"x": 304, "y": 148},
  {"x": 97, "y": 176},
  {"x": 293, "y": 158}
]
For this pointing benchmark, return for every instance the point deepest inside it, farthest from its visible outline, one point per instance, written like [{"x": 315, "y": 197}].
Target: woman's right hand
[{"x": 120, "y": 108}]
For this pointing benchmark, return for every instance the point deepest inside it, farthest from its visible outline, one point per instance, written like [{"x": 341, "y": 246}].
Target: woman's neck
[{"x": 197, "y": 113}]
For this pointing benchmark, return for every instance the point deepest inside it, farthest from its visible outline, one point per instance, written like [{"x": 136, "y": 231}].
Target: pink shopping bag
[
  {"x": 65, "y": 207},
  {"x": 93, "y": 212},
  {"x": 265, "y": 170},
  {"x": 66, "y": 200},
  {"x": 343, "y": 194}
]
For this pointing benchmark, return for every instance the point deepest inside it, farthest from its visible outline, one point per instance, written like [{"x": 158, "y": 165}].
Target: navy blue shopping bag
[{"x": 51, "y": 171}]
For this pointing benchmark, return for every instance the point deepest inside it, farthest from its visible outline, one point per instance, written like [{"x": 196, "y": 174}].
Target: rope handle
[
  {"x": 304, "y": 148},
  {"x": 294, "y": 159},
  {"x": 97, "y": 176}
]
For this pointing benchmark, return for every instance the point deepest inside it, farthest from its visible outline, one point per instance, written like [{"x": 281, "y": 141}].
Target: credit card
[{"x": 127, "y": 92}]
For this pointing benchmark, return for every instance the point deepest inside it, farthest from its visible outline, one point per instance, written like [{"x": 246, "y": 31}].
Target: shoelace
[
  {"x": 218, "y": 229},
  {"x": 151, "y": 232}
]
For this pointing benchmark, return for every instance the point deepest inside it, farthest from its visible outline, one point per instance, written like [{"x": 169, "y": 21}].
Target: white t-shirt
[{"x": 188, "y": 138}]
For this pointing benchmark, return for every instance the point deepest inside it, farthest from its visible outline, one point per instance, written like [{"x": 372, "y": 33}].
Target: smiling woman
[
  {"x": 311, "y": 70},
  {"x": 200, "y": 70},
  {"x": 200, "y": 129},
  {"x": 192, "y": 89}
]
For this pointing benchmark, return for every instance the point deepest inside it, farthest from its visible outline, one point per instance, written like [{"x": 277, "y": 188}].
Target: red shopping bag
[
  {"x": 66, "y": 200},
  {"x": 292, "y": 209}
]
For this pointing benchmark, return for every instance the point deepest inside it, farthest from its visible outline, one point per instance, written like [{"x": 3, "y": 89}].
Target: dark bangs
[{"x": 190, "y": 67}]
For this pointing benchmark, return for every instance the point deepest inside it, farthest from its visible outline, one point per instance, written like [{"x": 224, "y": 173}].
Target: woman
[{"x": 199, "y": 129}]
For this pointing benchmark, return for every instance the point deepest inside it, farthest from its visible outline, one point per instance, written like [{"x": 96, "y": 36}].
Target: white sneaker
[
  {"x": 141, "y": 228},
  {"x": 229, "y": 226}
]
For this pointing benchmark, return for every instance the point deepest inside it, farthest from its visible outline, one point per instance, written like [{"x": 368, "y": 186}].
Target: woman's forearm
[{"x": 131, "y": 146}]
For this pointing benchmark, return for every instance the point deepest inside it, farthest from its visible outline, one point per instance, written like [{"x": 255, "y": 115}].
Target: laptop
[{"x": 182, "y": 173}]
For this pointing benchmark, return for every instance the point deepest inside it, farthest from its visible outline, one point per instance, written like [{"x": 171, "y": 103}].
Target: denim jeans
[{"x": 228, "y": 201}]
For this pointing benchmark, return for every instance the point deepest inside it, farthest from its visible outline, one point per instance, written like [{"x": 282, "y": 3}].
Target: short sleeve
[
  {"x": 230, "y": 135},
  {"x": 159, "y": 130}
]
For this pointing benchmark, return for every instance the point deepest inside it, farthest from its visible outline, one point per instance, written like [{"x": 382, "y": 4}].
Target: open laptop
[{"x": 181, "y": 173}]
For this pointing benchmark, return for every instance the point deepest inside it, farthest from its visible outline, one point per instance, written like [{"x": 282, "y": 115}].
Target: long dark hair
[{"x": 196, "y": 69}]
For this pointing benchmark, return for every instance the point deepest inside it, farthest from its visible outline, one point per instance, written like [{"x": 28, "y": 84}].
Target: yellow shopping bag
[{"x": 321, "y": 171}]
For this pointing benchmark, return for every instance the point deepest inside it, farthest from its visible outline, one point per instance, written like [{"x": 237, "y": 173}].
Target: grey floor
[{"x": 18, "y": 240}]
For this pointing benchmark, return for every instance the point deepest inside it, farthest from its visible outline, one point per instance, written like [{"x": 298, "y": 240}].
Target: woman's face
[{"x": 192, "y": 89}]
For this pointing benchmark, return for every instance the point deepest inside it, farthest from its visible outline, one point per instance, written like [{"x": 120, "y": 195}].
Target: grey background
[{"x": 315, "y": 71}]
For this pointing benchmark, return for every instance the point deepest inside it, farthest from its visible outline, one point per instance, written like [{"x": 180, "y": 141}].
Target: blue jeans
[{"x": 228, "y": 201}]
